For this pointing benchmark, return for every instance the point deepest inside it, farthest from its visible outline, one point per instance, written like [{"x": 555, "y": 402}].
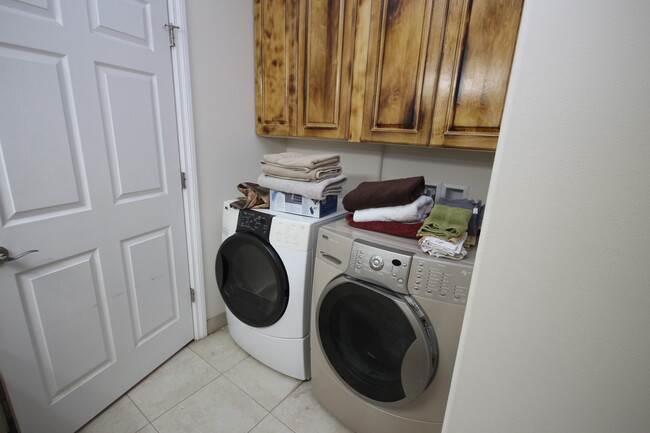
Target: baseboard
[{"x": 217, "y": 322}]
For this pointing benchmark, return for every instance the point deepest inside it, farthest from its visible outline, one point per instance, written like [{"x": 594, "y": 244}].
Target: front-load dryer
[
  {"x": 264, "y": 272},
  {"x": 386, "y": 320}
]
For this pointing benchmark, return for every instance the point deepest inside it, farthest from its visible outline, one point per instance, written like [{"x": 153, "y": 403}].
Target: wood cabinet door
[
  {"x": 478, "y": 51},
  {"x": 325, "y": 46},
  {"x": 275, "y": 66},
  {"x": 404, "y": 48}
]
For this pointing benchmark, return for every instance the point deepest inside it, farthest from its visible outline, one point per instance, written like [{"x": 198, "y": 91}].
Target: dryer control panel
[
  {"x": 254, "y": 222},
  {"x": 379, "y": 264}
]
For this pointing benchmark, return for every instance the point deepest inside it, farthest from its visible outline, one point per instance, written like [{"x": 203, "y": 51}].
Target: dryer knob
[{"x": 376, "y": 262}]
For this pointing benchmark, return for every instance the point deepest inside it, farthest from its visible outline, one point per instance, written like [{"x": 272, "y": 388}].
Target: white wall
[
  {"x": 372, "y": 161},
  {"x": 220, "y": 35},
  {"x": 556, "y": 331},
  {"x": 221, "y": 41}
]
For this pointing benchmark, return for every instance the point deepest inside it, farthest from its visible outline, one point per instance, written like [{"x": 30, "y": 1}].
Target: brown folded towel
[
  {"x": 257, "y": 197},
  {"x": 384, "y": 193}
]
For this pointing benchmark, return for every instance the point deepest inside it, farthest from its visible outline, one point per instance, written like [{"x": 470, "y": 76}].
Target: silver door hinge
[
  {"x": 183, "y": 180},
  {"x": 192, "y": 295},
  {"x": 170, "y": 29}
]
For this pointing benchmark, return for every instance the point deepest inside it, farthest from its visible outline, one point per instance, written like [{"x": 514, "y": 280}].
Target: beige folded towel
[
  {"x": 313, "y": 190},
  {"x": 301, "y": 161},
  {"x": 317, "y": 174}
]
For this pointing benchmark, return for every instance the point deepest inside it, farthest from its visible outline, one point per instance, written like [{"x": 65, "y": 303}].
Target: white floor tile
[
  {"x": 148, "y": 429},
  {"x": 303, "y": 414},
  {"x": 218, "y": 407},
  {"x": 174, "y": 381},
  {"x": 271, "y": 424},
  {"x": 121, "y": 417},
  {"x": 220, "y": 350},
  {"x": 265, "y": 385}
]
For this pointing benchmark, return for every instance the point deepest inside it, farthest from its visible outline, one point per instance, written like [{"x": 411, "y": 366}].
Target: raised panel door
[
  {"x": 478, "y": 53},
  {"x": 325, "y": 41},
  {"x": 404, "y": 46},
  {"x": 89, "y": 176},
  {"x": 275, "y": 66}
]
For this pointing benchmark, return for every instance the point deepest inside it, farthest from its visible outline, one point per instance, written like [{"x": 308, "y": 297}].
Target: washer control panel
[
  {"x": 382, "y": 265},
  {"x": 447, "y": 282}
]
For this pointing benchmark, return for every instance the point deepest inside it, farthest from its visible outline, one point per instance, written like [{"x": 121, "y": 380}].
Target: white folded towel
[
  {"x": 440, "y": 248},
  {"x": 301, "y": 161},
  {"x": 316, "y": 174},
  {"x": 416, "y": 211},
  {"x": 313, "y": 190}
]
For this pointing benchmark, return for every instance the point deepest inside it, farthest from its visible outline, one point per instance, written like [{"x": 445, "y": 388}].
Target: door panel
[
  {"x": 127, "y": 21},
  {"x": 151, "y": 283},
  {"x": 52, "y": 319},
  {"x": 474, "y": 74},
  {"x": 89, "y": 176},
  {"x": 403, "y": 57},
  {"x": 326, "y": 33},
  {"x": 32, "y": 185},
  {"x": 131, "y": 118},
  {"x": 275, "y": 59}
]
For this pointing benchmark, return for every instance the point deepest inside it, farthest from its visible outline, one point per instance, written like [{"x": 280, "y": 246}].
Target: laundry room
[{"x": 539, "y": 325}]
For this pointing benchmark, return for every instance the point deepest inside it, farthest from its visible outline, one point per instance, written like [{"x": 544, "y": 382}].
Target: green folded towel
[{"x": 446, "y": 222}]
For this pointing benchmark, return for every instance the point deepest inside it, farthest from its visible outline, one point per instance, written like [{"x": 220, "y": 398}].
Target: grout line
[
  {"x": 244, "y": 391},
  {"x": 138, "y": 407},
  {"x": 282, "y": 422},
  {"x": 199, "y": 389}
]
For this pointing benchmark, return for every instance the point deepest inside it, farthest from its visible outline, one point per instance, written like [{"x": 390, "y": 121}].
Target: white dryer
[
  {"x": 386, "y": 321},
  {"x": 264, "y": 272}
]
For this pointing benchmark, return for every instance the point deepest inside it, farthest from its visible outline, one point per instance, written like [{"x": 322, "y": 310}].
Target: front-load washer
[
  {"x": 264, "y": 272},
  {"x": 386, "y": 320}
]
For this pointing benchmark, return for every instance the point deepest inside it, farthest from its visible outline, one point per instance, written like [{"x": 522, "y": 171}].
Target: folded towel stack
[
  {"x": 396, "y": 207},
  {"x": 451, "y": 226},
  {"x": 311, "y": 176}
]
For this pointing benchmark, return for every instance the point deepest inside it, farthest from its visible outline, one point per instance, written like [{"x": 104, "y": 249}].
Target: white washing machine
[
  {"x": 264, "y": 272},
  {"x": 386, "y": 320}
]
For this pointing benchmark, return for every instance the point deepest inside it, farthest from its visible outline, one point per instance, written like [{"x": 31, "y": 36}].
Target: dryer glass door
[
  {"x": 252, "y": 279},
  {"x": 375, "y": 342}
]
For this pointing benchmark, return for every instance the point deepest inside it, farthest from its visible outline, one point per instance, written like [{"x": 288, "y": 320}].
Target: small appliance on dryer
[
  {"x": 264, "y": 272},
  {"x": 386, "y": 321}
]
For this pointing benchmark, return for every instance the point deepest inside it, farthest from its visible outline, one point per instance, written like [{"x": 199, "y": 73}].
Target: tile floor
[{"x": 212, "y": 385}]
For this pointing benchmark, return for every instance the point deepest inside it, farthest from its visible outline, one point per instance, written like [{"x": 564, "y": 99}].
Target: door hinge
[
  {"x": 183, "y": 180},
  {"x": 170, "y": 29},
  {"x": 192, "y": 295}
]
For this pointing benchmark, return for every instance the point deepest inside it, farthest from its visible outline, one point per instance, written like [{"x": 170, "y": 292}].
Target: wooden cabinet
[
  {"x": 478, "y": 50},
  {"x": 414, "y": 72}
]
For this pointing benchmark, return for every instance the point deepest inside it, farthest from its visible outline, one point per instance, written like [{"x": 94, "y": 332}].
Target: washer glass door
[
  {"x": 252, "y": 279},
  {"x": 375, "y": 341}
]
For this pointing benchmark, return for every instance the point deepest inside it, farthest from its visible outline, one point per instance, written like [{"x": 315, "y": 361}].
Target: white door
[{"x": 89, "y": 176}]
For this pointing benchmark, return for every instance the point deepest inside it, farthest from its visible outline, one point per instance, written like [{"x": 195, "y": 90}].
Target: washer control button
[{"x": 376, "y": 262}]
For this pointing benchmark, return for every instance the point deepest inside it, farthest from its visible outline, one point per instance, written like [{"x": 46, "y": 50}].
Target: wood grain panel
[
  {"x": 324, "y": 68},
  {"x": 275, "y": 60},
  {"x": 479, "y": 47},
  {"x": 403, "y": 58},
  {"x": 403, "y": 43},
  {"x": 485, "y": 65},
  {"x": 359, "y": 68}
]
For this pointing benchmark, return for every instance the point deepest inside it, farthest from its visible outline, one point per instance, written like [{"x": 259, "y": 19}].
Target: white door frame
[{"x": 185, "y": 121}]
